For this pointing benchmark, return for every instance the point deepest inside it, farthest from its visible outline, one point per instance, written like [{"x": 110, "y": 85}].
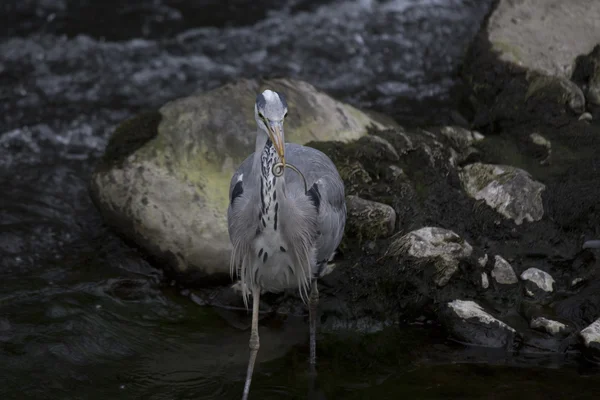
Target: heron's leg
[
  {"x": 254, "y": 341},
  {"x": 313, "y": 302}
]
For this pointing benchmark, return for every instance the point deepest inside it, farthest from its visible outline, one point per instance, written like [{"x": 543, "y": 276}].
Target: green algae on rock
[{"x": 164, "y": 179}]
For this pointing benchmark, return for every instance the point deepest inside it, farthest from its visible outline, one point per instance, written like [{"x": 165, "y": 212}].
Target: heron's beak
[{"x": 276, "y": 135}]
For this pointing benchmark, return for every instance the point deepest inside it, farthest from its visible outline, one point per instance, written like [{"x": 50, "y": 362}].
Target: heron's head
[{"x": 269, "y": 111}]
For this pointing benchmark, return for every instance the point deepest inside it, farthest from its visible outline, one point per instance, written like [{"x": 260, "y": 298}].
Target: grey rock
[
  {"x": 544, "y": 35},
  {"x": 541, "y": 279},
  {"x": 503, "y": 272},
  {"x": 510, "y": 191},
  {"x": 468, "y": 322},
  {"x": 164, "y": 179},
  {"x": 549, "y": 326},
  {"x": 444, "y": 247},
  {"x": 369, "y": 219}
]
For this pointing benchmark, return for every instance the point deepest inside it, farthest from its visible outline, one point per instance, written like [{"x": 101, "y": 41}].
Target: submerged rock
[
  {"x": 503, "y": 272},
  {"x": 443, "y": 247},
  {"x": 508, "y": 190},
  {"x": 369, "y": 219},
  {"x": 164, "y": 179},
  {"x": 468, "y": 322}
]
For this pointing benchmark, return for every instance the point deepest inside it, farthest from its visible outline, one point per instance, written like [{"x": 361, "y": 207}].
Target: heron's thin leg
[
  {"x": 254, "y": 341},
  {"x": 313, "y": 302}
]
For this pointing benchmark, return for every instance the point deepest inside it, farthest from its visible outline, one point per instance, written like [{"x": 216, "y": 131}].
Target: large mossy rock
[
  {"x": 164, "y": 179},
  {"x": 524, "y": 59},
  {"x": 544, "y": 35}
]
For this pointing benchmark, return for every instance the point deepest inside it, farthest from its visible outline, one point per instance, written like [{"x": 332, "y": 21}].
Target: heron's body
[
  {"x": 284, "y": 225},
  {"x": 265, "y": 220}
]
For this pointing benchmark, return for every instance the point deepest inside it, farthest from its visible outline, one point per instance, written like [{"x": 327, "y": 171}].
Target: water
[{"x": 82, "y": 315}]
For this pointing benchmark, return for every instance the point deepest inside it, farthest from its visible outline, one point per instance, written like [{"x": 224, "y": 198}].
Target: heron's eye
[
  {"x": 260, "y": 115},
  {"x": 285, "y": 115}
]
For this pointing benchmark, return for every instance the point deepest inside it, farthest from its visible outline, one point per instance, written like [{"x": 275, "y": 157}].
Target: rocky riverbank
[{"x": 479, "y": 229}]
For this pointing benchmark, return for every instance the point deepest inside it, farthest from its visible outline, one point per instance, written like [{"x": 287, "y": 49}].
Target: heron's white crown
[{"x": 270, "y": 96}]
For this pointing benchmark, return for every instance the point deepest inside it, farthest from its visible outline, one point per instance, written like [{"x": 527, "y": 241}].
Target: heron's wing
[
  {"x": 325, "y": 190},
  {"x": 236, "y": 191},
  {"x": 236, "y": 185}
]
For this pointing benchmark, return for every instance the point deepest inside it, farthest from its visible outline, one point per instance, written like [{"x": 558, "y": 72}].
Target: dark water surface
[{"x": 83, "y": 316}]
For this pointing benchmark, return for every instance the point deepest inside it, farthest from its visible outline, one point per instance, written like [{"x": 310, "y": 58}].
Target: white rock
[
  {"x": 485, "y": 283},
  {"x": 466, "y": 309},
  {"x": 503, "y": 272},
  {"x": 550, "y": 326},
  {"x": 542, "y": 279},
  {"x": 431, "y": 242},
  {"x": 508, "y": 190},
  {"x": 591, "y": 334}
]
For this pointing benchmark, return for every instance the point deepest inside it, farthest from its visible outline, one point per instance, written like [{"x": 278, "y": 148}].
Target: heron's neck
[{"x": 270, "y": 187}]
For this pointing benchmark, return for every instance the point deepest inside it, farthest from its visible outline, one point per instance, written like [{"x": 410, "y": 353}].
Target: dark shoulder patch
[
  {"x": 282, "y": 99},
  {"x": 261, "y": 102},
  {"x": 314, "y": 195},
  {"x": 238, "y": 189}
]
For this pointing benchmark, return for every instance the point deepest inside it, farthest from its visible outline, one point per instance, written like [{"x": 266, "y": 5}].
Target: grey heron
[{"x": 284, "y": 223}]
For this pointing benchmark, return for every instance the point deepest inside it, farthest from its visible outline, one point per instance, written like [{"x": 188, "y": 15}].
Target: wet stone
[{"x": 468, "y": 322}]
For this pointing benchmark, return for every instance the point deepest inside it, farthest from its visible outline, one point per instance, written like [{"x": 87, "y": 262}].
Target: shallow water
[{"x": 84, "y": 316}]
